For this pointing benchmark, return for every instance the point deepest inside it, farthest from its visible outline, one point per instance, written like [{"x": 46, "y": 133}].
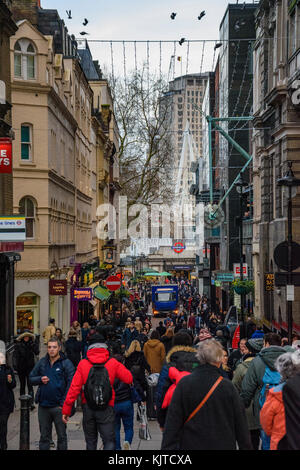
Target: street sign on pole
[
  {"x": 290, "y": 293},
  {"x": 224, "y": 277},
  {"x": 237, "y": 270},
  {"x": 113, "y": 283},
  {"x": 281, "y": 279}
]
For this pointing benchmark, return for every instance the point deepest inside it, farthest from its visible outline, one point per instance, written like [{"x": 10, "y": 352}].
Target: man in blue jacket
[
  {"x": 129, "y": 335},
  {"x": 53, "y": 374}
]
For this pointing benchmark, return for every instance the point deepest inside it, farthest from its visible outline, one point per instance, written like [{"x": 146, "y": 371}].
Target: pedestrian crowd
[{"x": 184, "y": 373}]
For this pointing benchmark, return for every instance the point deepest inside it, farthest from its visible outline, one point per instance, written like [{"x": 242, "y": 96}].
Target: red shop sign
[{"x": 5, "y": 155}]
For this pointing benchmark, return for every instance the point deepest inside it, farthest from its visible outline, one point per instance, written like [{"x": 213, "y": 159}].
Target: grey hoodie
[{"x": 253, "y": 380}]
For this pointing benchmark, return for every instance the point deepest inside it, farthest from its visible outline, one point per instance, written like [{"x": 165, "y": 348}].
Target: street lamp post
[
  {"x": 289, "y": 181},
  {"x": 240, "y": 185},
  {"x": 121, "y": 290}
]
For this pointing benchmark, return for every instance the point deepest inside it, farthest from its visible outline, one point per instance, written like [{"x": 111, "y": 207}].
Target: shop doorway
[{"x": 28, "y": 313}]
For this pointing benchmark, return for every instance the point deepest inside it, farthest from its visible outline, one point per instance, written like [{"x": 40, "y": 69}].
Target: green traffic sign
[{"x": 224, "y": 277}]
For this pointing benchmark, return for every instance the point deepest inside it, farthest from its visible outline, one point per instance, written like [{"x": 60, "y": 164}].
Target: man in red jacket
[{"x": 100, "y": 420}]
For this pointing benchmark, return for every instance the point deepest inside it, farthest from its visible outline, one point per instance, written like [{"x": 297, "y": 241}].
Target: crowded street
[{"x": 150, "y": 229}]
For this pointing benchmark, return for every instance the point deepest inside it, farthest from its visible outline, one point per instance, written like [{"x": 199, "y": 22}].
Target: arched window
[
  {"x": 27, "y": 208},
  {"x": 25, "y": 60}
]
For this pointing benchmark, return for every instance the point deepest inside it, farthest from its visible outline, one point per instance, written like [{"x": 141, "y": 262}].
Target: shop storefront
[
  {"x": 181, "y": 271},
  {"x": 28, "y": 313}
]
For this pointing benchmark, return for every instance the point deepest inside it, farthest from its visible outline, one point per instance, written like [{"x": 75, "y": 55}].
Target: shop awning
[{"x": 101, "y": 293}]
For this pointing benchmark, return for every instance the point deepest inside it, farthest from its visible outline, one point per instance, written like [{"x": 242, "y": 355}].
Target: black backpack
[{"x": 97, "y": 389}]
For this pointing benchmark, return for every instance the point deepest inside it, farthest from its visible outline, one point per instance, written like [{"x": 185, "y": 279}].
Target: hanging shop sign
[
  {"x": 109, "y": 255},
  {"x": 11, "y": 246},
  {"x": 5, "y": 155},
  {"x": 12, "y": 228},
  {"x": 269, "y": 282},
  {"x": 58, "y": 287},
  {"x": 83, "y": 294}
]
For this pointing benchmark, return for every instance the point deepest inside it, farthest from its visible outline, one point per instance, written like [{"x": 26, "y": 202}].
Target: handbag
[
  {"x": 209, "y": 393},
  {"x": 144, "y": 432}
]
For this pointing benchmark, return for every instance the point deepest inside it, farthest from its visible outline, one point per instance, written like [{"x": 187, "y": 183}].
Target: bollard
[{"x": 26, "y": 401}]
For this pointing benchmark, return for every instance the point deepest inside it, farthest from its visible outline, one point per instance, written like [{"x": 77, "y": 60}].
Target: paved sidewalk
[{"x": 75, "y": 433}]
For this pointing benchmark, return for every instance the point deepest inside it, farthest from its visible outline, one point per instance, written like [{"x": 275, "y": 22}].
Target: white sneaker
[{"x": 126, "y": 446}]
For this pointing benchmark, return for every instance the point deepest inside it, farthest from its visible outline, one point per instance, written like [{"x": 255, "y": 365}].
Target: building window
[
  {"x": 292, "y": 32},
  {"x": 25, "y": 60},
  {"x": 27, "y": 208},
  {"x": 26, "y": 142}
]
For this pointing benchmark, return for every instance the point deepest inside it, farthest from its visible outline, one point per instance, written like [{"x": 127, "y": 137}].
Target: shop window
[
  {"x": 27, "y": 208},
  {"x": 27, "y": 313}
]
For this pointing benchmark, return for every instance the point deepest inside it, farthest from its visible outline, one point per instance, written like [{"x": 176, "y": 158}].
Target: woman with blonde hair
[
  {"x": 135, "y": 361},
  {"x": 76, "y": 326}
]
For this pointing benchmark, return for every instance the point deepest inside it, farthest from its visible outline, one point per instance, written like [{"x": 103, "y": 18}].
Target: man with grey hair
[{"x": 206, "y": 412}]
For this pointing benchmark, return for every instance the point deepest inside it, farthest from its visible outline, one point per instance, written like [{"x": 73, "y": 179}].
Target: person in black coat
[
  {"x": 73, "y": 348},
  {"x": 167, "y": 339},
  {"x": 7, "y": 399},
  {"x": 221, "y": 423},
  {"x": 26, "y": 349},
  {"x": 135, "y": 362},
  {"x": 143, "y": 337},
  {"x": 161, "y": 329}
]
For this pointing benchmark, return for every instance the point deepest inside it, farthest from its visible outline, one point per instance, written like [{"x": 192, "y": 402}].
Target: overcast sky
[{"x": 140, "y": 20}]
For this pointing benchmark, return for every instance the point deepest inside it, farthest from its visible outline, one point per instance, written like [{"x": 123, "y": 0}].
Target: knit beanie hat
[
  {"x": 255, "y": 345},
  {"x": 204, "y": 334},
  {"x": 96, "y": 339}
]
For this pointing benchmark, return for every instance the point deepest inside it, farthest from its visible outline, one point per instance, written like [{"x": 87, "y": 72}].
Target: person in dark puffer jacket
[
  {"x": 24, "y": 358},
  {"x": 182, "y": 356}
]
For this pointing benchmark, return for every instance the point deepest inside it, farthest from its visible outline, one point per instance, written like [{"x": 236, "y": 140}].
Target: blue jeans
[
  {"x": 124, "y": 411},
  {"x": 265, "y": 440}
]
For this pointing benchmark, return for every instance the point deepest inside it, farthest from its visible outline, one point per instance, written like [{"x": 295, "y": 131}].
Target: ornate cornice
[{"x": 32, "y": 274}]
